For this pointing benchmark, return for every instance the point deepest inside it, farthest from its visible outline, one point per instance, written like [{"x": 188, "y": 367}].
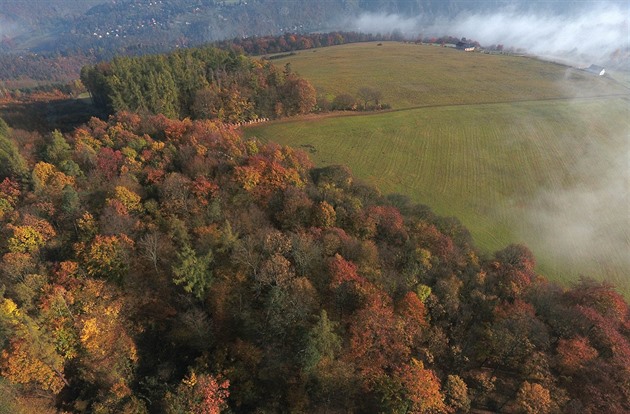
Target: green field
[
  {"x": 496, "y": 141},
  {"x": 412, "y": 75}
]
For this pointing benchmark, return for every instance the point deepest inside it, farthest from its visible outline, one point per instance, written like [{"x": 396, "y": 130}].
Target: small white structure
[{"x": 598, "y": 70}]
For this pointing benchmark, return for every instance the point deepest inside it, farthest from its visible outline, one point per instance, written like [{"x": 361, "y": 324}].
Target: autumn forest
[{"x": 156, "y": 261}]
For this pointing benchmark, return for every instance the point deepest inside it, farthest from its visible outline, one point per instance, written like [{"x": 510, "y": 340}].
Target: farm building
[
  {"x": 466, "y": 47},
  {"x": 598, "y": 70}
]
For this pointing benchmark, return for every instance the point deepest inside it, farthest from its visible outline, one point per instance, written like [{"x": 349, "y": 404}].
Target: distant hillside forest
[
  {"x": 30, "y": 70},
  {"x": 152, "y": 265},
  {"x": 67, "y": 26}
]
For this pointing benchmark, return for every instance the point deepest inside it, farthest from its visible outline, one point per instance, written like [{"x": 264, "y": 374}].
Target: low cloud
[
  {"x": 591, "y": 35},
  {"x": 591, "y": 220},
  {"x": 595, "y": 33}
]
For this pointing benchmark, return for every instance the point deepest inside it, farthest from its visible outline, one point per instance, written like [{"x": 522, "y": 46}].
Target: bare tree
[{"x": 368, "y": 95}]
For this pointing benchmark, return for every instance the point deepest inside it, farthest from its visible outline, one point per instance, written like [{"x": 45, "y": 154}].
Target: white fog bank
[
  {"x": 594, "y": 35},
  {"x": 597, "y": 33},
  {"x": 590, "y": 220}
]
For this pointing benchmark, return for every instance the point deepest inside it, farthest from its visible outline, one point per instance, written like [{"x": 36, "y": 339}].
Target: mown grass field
[
  {"x": 497, "y": 141},
  {"x": 412, "y": 75}
]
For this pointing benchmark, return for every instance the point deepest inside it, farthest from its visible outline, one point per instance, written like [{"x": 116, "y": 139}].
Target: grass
[
  {"x": 498, "y": 141},
  {"x": 412, "y": 75}
]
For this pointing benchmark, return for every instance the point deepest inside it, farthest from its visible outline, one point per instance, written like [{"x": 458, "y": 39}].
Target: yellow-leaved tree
[{"x": 30, "y": 357}]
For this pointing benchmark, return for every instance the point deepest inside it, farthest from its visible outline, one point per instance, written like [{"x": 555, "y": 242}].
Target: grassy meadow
[
  {"x": 518, "y": 149},
  {"x": 411, "y": 75}
]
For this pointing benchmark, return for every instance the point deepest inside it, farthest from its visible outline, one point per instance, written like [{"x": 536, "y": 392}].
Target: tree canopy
[
  {"x": 206, "y": 83},
  {"x": 157, "y": 265}
]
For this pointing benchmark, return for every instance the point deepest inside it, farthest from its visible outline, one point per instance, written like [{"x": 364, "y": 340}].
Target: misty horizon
[{"x": 597, "y": 34}]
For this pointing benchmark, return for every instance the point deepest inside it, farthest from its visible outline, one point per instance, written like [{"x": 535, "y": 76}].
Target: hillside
[
  {"x": 70, "y": 25},
  {"x": 411, "y": 75},
  {"x": 489, "y": 139},
  {"x": 155, "y": 265},
  {"x": 159, "y": 265}
]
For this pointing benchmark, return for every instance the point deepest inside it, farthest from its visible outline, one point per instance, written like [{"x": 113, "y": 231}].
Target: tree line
[
  {"x": 206, "y": 83},
  {"x": 28, "y": 70},
  {"x": 289, "y": 42},
  {"x": 156, "y": 265}
]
